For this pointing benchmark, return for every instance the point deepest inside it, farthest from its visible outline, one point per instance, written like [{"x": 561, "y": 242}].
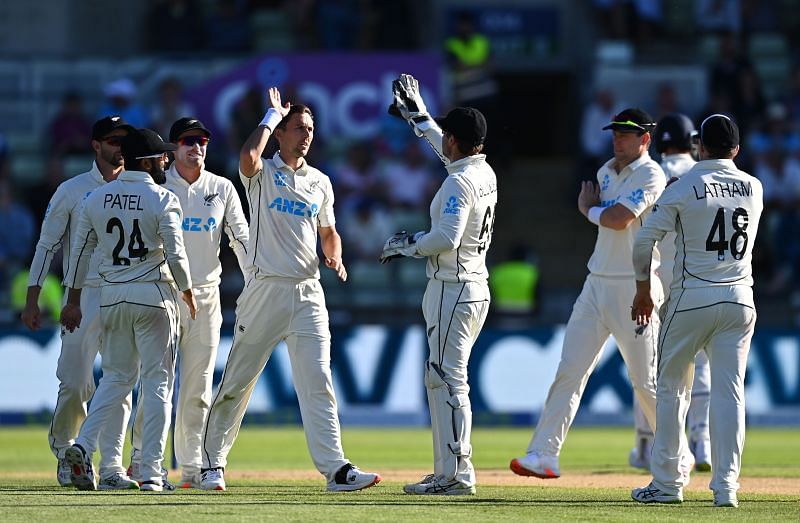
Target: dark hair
[
  {"x": 718, "y": 153},
  {"x": 131, "y": 163},
  {"x": 294, "y": 109}
]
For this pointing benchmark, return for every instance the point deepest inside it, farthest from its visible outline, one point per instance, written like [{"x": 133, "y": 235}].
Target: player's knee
[{"x": 434, "y": 377}]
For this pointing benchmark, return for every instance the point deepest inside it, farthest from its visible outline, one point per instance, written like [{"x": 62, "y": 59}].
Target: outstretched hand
[{"x": 275, "y": 101}]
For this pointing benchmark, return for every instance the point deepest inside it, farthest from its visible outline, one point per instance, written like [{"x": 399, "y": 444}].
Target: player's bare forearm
[
  {"x": 31, "y": 315},
  {"x": 250, "y": 155},
  {"x": 74, "y": 296},
  {"x": 331, "y": 244}
]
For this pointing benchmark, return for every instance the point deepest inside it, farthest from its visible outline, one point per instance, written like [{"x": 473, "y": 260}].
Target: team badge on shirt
[
  {"x": 210, "y": 198},
  {"x": 451, "y": 206}
]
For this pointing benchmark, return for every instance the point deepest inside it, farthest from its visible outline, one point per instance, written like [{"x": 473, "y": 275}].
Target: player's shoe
[
  {"x": 190, "y": 481},
  {"x": 725, "y": 499},
  {"x": 117, "y": 481},
  {"x": 349, "y": 478},
  {"x": 157, "y": 486},
  {"x": 63, "y": 473},
  {"x": 441, "y": 487},
  {"x": 212, "y": 479},
  {"x": 133, "y": 471},
  {"x": 537, "y": 465},
  {"x": 701, "y": 449},
  {"x": 639, "y": 457},
  {"x": 81, "y": 470},
  {"x": 652, "y": 494},
  {"x": 411, "y": 487}
]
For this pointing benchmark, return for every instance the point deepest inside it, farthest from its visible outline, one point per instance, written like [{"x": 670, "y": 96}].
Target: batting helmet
[{"x": 674, "y": 130}]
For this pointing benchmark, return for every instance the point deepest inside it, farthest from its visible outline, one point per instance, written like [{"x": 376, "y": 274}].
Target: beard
[{"x": 158, "y": 174}]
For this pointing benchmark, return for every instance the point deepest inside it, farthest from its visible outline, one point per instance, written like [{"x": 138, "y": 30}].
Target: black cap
[
  {"x": 104, "y": 126},
  {"x": 632, "y": 120},
  {"x": 674, "y": 130},
  {"x": 466, "y": 124},
  {"x": 186, "y": 124},
  {"x": 719, "y": 131},
  {"x": 143, "y": 143}
]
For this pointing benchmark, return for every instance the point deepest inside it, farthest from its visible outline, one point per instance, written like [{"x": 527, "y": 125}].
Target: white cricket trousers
[
  {"x": 720, "y": 320},
  {"x": 603, "y": 308},
  {"x": 268, "y": 311},
  {"x": 75, "y": 372},
  {"x": 140, "y": 329},
  {"x": 454, "y": 315},
  {"x": 197, "y": 353}
]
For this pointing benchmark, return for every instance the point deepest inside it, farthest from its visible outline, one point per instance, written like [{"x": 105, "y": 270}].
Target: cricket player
[
  {"x": 210, "y": 205},
  {"x": 135, "y": 225},
  {"x": 628, "y": 185},
  {"x": 456, "y": 299},
  {"x": 290, "y": 203},
  {"x": 79, "y": 348},
  {"x": 714, "y": 209},
  {"x": 674, "y": 139}
]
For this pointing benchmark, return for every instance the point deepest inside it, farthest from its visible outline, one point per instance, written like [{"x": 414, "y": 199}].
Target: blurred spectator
[
  {"x": 174, "y": 26},
  {"x": 750, "y": 106},
  {"x": 228, "y": 27},
  {"x": 469, "y": 55},
  {"x": 596, "y": 146},
  {"x": 365, "y": 228},
  {"x": 718, "y": 16},
  {"x": 339, "y": 23},
  {"x": 792, "y": 98},
  {"x": 120, "y": 99},
  {"x": 728, "y": 67},
  {"x": 409, "y": 182},
  {"x": 759, "y": 16},
  {"x": 169, "y": 106},
  {"x": 638, "y": 20},
  {"x": 16, "y": 234},
  {"x": 357, "y": 178},
  {"x": 666, "y": 100},
  {"x": 513, "y": 283},
  {"x": 70, "y": 130}
]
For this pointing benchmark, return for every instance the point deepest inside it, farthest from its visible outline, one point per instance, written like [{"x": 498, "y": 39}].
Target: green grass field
[{"x": 270, "y": 477}]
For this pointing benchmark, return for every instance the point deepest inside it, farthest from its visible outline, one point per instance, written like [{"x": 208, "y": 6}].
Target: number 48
[{"x": 717, "y": 241}]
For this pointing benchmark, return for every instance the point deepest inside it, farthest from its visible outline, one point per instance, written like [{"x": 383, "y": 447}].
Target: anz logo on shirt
[
  {"x": 451, "y": 206},
  {"x": 191, "y": 224},
  {"x": 285, "y": 205}
]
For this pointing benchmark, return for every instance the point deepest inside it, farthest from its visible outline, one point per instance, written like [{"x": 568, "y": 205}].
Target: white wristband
[
  {"x": 594, "y": 214},
  {"x": 271, "y": 119}
]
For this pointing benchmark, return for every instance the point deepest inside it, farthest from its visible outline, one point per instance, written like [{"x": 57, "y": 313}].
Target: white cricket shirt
[
  {"x": 462, "y": 219},
  {"x": 714, "y": 209},
  {"x": 286, "y": 209},
  {"x": 135, "y": 225},
  {"x": 210, "y": 205},
  {"x": 59, "y": 226},
  {"x": 674, "y": 166},
  {"x": 636, "y": 187}
]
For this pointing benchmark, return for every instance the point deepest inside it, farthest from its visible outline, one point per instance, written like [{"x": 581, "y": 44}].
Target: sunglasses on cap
[
  {"x": 162, "y": 156},
  {"x": 191, "y": 141},
  {"x": 634, "y": 126},
  {"x": 113, "y": 141}
]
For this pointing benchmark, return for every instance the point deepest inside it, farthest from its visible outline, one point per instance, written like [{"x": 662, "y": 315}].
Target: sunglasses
[
  {"x": 113, "y": 141},
  {"x": 191, "y": 141}
]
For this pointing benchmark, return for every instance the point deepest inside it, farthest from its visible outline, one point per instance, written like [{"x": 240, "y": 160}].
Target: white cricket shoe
[
  {"x": 441, "y": 487},
  {"x": 350, "y": 478},
  {"x": 157, "y": 486},
  {"x": 701, "y": 449},
  {"x": 81, "y": 470},
  {"x": 212, "y": 479},
  {"x": 133, "y": 471},
  {"x": 191, "y": 480},
  {"x": 537, "y": 465},
  {"x": 412, "y": 487},
  {"x": 725, "y": 499},
  {"x": 63, "y": 473},
  {"x": 117, "y": 481},
  {"x": 652, "y": 494}
]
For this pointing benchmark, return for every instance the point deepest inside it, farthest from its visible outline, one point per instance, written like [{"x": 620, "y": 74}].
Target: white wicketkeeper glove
[
  {"x": 408, "y": 104},
  {"x": 400, "y": 244}
]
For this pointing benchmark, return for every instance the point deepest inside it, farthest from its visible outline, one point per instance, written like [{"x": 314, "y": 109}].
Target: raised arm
[{"x": 250, "y": 154}]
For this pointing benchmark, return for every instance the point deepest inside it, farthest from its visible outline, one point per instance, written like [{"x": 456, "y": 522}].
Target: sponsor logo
[
  {"x": 294, "y": 207},
  {"x": 451, "y": 206},
  {"x": 280, "y": 179},
  {"x": 636, "y": 197},
  {"x": 193, "y": 224}
]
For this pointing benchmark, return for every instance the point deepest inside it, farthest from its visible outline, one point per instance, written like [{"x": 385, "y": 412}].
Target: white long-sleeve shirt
[
  {"x": 462, "y": 218},
  {"x": 135, "y": 225},
  {"x": 636, "y": 187},
  {"x": 287, "y": 208},
  {"x": 714, "y": 209},
  {"x": 675, "y": 166},
  {"x": 59, "y": 226},
  {"x": 210, "y": 205}
]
